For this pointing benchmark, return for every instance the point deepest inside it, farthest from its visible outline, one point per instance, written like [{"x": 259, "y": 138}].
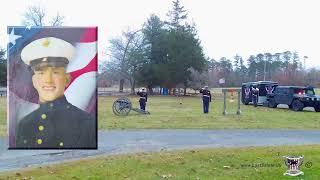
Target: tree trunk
[
  {"x": 150, "y": 90},
  {"x": 121, "y": 85},
  {"x": 133, "y": 85}
]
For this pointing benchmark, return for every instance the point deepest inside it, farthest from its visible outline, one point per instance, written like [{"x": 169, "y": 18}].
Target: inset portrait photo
[{"x": 52, "y": 87}]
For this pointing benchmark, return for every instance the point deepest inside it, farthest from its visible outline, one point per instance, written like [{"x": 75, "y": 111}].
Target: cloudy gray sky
[{"x": 225, "y": 27}]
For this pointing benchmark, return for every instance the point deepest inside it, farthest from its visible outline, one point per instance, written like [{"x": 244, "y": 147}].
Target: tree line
[
  {"x": 283, "y": 67},
  {"x": 169, "y": 54}
]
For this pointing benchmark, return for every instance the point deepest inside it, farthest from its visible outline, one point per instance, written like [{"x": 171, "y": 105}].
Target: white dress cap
[{"x": 47, "y": 47}]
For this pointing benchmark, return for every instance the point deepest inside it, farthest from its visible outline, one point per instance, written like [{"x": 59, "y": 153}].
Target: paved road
[{"x": 130, "y": 141}]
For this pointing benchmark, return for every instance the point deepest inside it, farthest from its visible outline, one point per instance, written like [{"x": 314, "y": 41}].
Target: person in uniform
[
  {"x": 56, "y": 123},
  {"x": 206, "y": 98},
  {"x": 143, "y": 98},
  {"x": 255, "y": 95}
]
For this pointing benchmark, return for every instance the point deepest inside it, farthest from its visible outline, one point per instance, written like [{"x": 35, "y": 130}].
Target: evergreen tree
[
  {"x": 177, "y": 15},
  {"x": 184, "y": 48},
  {"x": 154, "y": 70},
  {"x": 3, "y": 68}
]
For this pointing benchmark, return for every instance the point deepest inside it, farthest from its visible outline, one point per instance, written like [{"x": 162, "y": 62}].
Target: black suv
[{"x": 296, "y": 97}]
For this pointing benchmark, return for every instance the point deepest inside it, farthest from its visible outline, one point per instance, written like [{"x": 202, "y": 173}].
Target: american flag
[{"x": 82, "y": 92}]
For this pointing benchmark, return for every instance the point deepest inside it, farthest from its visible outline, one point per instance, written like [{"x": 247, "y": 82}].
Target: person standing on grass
[
  {"x": 255, "y": 94},
  {"x": 143, "y": 98},
  {"x": 206, "y": 98}
]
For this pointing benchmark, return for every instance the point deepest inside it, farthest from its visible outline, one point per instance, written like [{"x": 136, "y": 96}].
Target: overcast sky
[{"x": 225, "y": 27}]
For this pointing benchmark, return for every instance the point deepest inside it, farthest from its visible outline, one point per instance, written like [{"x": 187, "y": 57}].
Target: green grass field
[
  {"x": 219, "y": 163},
  {"x": 166, "y": 112}
]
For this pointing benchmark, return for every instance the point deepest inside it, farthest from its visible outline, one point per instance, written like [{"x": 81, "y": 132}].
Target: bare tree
[
  {"x": 57, "y": 20},
  {"x": 126, "y": 53},
  {"x": 36, "y": 15},
  {"x": 197, "y": 79}
]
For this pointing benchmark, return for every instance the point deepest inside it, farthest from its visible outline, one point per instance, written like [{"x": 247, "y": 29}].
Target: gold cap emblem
[{"x": 46, "y": 42}]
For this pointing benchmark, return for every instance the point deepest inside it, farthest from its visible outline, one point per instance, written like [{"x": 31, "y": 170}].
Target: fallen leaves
[{"x": 164, "y": 176}]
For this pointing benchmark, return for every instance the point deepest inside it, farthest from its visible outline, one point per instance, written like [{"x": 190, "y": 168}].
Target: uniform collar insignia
[{"x": 58, "y": 103}]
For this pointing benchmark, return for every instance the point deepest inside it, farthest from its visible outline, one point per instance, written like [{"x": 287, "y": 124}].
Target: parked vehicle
[
  {"x": 265, "y": 87},
  {"x": 296, "y": 97}
]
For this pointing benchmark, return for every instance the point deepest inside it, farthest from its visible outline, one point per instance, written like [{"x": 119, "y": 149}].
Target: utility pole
[
  {"x": 304, "y": 62},
  {"x": 264, "y": 69}
]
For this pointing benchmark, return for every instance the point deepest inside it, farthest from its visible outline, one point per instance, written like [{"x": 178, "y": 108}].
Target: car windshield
[
  {"x": 304, "y": 91},
  {"x": 309, "y": 91}
]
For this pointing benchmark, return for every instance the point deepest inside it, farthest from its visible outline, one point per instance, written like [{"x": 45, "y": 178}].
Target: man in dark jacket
[
  {"x": 206, "y": 98},
  {"x": 56, "y": 123},
  {"x": 143, "y": 98}
]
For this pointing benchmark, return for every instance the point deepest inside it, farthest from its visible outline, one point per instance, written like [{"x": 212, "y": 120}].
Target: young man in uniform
[
  {"x": 143, "y": 98},
  {"x": 56, "y": 123},
  {"x": 206, "y": 98}
]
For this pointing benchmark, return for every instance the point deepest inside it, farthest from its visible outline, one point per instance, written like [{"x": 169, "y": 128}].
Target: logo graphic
[
  {"x": 293, "y": 164},
  {"x": 269, "y": 89},
  {"x": 247, "y": 92}
]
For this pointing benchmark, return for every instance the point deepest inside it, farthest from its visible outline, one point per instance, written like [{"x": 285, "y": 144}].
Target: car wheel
[
  {"x": 297, "y": 105},
  {"x": 317, "y": 108},
  {"x": 272, "y": 103}
]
